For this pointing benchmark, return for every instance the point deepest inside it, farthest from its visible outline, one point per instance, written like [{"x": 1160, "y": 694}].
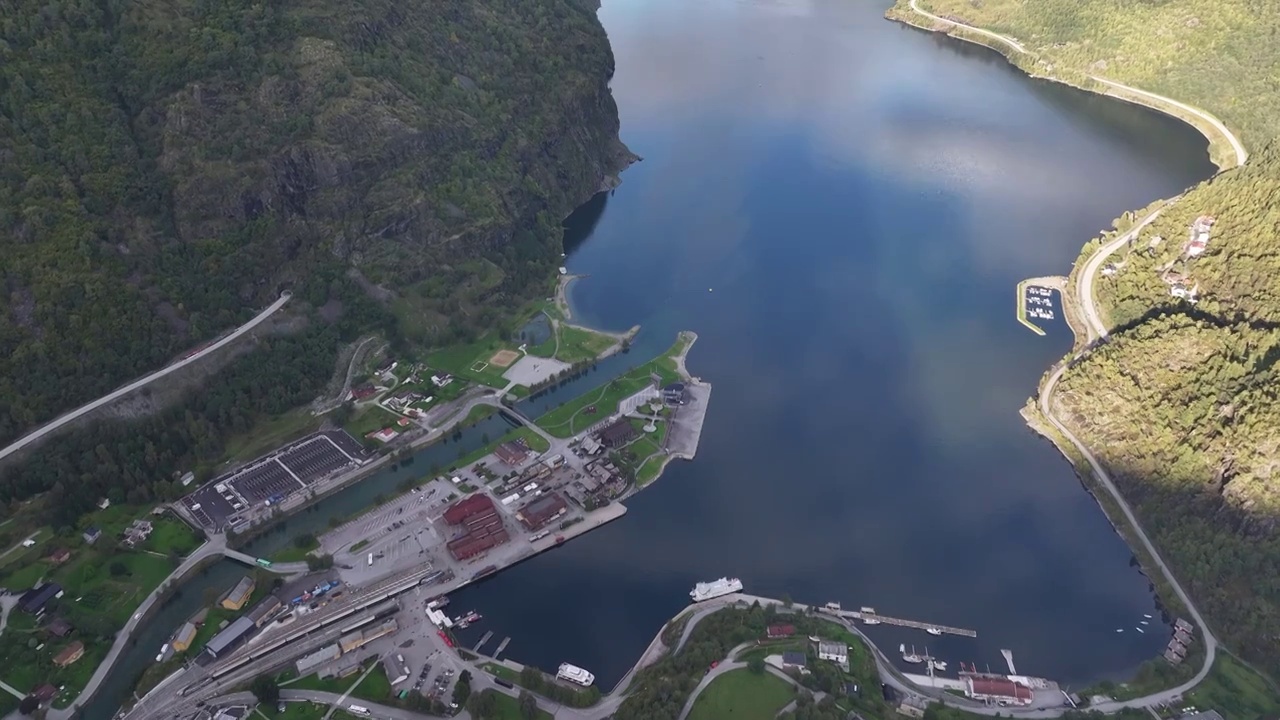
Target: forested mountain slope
[
  {"x": 166, "y": 166},
  {"x": 1216, "y": 54},
  {"x": 1182, "y": 401}
]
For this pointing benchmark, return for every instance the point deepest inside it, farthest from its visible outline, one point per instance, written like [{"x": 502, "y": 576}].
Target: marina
[
  {"x": 501, "y": 646},
  {"x": 487, "y": 636},
  {"x": 869, "y": 616}
]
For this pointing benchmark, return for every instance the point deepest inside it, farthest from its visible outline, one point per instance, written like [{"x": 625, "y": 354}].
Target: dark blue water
[{"x": 841, "y": 209}]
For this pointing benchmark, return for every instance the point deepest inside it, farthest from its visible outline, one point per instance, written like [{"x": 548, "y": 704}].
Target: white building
[{"x": 836, "y": 652}]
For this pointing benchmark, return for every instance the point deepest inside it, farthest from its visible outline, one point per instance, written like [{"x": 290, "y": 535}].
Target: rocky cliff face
[{"x": 202, "y": 154}]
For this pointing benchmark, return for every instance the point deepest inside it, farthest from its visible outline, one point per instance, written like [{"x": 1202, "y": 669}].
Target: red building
[
  {"x": 466, "y": 507},
  {"x": 997, "y": 689},
  {"x": 780, "y": 631}
]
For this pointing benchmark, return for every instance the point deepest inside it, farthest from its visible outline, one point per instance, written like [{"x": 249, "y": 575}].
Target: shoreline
[{"x": 1225, "y": 149}]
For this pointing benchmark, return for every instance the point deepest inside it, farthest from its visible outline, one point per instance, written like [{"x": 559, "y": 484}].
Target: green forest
[
  {"x": 1215, "y": 54},
  {"x": 167, "y": 168},
  {"x": 1181, "y": 401}
]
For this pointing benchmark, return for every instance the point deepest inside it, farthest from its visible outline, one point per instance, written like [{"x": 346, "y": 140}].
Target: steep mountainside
[
  {"x": 1183, "y": 400},
  {"x": 166, "y": 166}
]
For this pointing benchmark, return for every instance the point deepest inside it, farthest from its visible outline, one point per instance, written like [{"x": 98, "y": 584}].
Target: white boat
[
  {"x": 933, "y": 631},
  {"x": 715, "y": 589},
  {"x": 1146, "y": 616},
  {"x": 1145, "y": 622},
  {"x": 1119, "y": 629},
  {"x": 912, "y": 657},
  {"x": 832, "y": 606},
  {"x": 939, "y": 665},
  {"x": 1144, "y": 632},
  {"x": 869, "y": 620},
  {"x": 576, "y": 675}
]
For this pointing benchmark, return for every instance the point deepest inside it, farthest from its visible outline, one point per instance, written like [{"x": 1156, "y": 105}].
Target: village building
[
  {"x": 793, "y": 660},
  {"x": 184, "y": 637},
  {"x": 774, "y": 632},
  {"x": 1199, "y": 235},
  {"x": 998, "y": 690},
  {"x": 59, "y": 627},
  {"x": 836, "y": 652},
  {"x": 513, "y": 453},
  {"x": 91, "y": 535},
  {"x": 69, "y": 654},
  {"x": 236, "y": 598},
  {"x": 59, "y": 556},
  {"x": 617, "y": 434},
  {"x": 33, "y": 601}
]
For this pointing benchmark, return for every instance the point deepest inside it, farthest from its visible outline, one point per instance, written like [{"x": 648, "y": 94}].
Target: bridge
[
  {"x": 873, "y": 618},
  {"x": 289, "y": 568}
]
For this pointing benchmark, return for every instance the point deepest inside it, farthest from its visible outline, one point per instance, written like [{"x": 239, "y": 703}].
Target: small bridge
[{"x": 290, "y": 568}]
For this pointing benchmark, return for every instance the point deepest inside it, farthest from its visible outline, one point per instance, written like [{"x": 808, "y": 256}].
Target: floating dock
[
  {"x": 483, "y": 640},
  {"x": 886, "y": 620},
  {"x": 501, "y": 646},
  {"x": 1008, "y": 660}
]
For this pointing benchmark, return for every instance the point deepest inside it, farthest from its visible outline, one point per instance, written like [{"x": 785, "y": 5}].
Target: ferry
[
  {"x": 933, "y": 631},
  {"x": 715, "y": 589},
  {"x": 575, "y": 674}
]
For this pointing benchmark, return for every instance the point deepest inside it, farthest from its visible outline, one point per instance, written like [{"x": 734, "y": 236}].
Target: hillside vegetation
[
  {"x": 167, "y": 166},
  {"x": 1215, "y": 54},
  {"x": 1182, "y": 401}
]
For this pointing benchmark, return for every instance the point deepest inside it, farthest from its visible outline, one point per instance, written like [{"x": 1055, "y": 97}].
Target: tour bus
[
  {"x": 370, "y": 559},
  {"x": 358, "y": 709}
]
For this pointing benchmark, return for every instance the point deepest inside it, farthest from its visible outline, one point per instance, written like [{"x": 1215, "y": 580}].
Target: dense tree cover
[
  {"x": 1216, "y": 54},
  {"x": 1238, "y": 276},
  {"x": 165, "y": 168},
  {"x": 140, "y": 461},
  {"x": 1181, "y": 402},
  {"x": 661, "y": 690}
]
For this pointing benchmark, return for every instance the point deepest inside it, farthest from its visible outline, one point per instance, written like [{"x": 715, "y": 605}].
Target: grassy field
[
  {"x": 374, "y": 686},
  {"x": 171, "y": 534},
  {"x": 575, "y": 345},
  {"x": 469, "y": 361},
  {"x": 304, "y": 711},
  {"x": 270, "y": 434},
  {"x": 742, "y": 695},
  {"x": 294, "y": 553},
  {"x": 90, "y": 583},
  {"x": 570, "y": 418},
  {"x": 1236, "y": 691},
  {"x": 506, "y": 707},
  {"x": 370, "y": 419}
]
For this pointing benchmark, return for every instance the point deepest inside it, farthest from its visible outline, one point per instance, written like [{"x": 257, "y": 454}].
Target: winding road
[
  {"x": 1236, "y": 146},
  {"x": 145, "y": 380}
]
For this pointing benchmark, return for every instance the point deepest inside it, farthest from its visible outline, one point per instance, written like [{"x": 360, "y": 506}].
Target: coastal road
[
  {"x": 1094, "y": 327},
  {"x": 1237, "y": 147},
  {"x": 146, "y": 379}
]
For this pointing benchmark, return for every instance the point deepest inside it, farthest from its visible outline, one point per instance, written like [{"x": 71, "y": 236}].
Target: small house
[
  {"x": 793, "y": 660},
  {"x": 69, "y": 654},
  {"x": 836, "y": 652},
  {"x": 91, "y": 535},
  {"x": 33, "y": 601},
  {"x": 774, "y": 632},
  {"x": 60, "y": 627},
  {"x": 45, "y": 693},
  {"x": 59, "y": 556}
]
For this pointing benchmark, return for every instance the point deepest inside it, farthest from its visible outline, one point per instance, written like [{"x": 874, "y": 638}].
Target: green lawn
[
  {"x": 742, "y": 695},
  {"x": 91, "y": 586},
  {"x": 478, "y": 413},
  {"x": 579, "y": 344},
  {"x": 303, "y": 711},
  {"x": 370, "y": 419},
  {"x": 506, "y": 707},
  {"x": 1235, "y": 691},
  {"x": 170, "y": 533},
  {"x": 17, "y": 555},
  {"x": 294, "y": 553},
  {"x": 469, "y": 361},
  {"x": 567, "y": 420},
  {"x": 501, "y": 671},
  {"x": 374, "y": 687}
]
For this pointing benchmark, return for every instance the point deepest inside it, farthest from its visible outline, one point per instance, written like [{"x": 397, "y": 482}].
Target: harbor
[
  {"x": 1036, "y": 302},
  {"x": 869, "y": 616}
]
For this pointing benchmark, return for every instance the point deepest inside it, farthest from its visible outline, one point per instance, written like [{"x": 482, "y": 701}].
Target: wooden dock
[
  {"x": 886, "y": 620},
  {"x": 483, "y": 640},
  {"x": 501, "y": 646}
]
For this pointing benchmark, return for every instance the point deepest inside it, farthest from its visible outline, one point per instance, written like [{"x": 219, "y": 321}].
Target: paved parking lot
[{"x": 276, "y": 475}]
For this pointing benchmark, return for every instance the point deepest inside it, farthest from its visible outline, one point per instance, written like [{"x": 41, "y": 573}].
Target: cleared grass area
[
  {"x": 370, "y": 419},
  {"x": 471, "y": 361},
  {"x": 271, "y": 433},
  {"x": 571, "y": 418},
  {"x": 742, "y": 695},
  {"x": 501, "y": 671},
  {"x": 506, "y": 707},
  {"x": 579, "y": 344},
  {"x": 1236, "y": 691},
  {"x": 171, "y": 534},
  {"x": 374, "y": 686}
]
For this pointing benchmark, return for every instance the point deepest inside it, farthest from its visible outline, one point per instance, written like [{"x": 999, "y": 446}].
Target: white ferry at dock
[
  {"x": 715, "y": 589},
  {"x": 575, "y": 674}
]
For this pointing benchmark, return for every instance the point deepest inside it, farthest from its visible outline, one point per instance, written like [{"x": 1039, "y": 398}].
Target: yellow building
[
  {"x": 183, "y": 638},
  {"x": 239, "y": 595}
]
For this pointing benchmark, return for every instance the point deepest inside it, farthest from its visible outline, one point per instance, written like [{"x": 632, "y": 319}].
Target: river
[{"x": 841, "y": 208}]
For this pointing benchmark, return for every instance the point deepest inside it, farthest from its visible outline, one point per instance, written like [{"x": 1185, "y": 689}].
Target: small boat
[
  {"x": 1146, "y": 616},
  {"x": 939, "y": 665},
  {"x": 1119, "y": 629},
  {"x": 1145, "y": 622},
  {"x": 933, "y": 631},
  {"x": 1144, "y": 632},
  {"x": 912, "y": 657},
  {"x": 902, "y": 647}
]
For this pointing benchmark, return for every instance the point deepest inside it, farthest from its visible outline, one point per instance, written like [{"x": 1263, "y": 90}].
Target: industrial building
[
  {"x": 542, "y": 511},
  {"x": 395, "y": 668},
  {"x": 183, "y": 638},
  {"x": 997, "y": 689},
  {"x": 230, "y": 637},
  {"x": 308, "y": 663},
  {"x": 483, "y": 525},
  {"x": 236, "y": 598},
  {"x": 262, "y": 613}
]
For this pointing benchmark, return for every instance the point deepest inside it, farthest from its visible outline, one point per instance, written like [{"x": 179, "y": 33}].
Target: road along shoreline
[{"x": 1225, "y": 149}]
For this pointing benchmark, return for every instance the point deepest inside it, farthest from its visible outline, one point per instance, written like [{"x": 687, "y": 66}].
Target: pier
[
  {"x": 501, "y": 646},
  {"x": 886, "y": 620},
  {"x": 483, "y": 640},
  {"x": 1008, "y": 659}
]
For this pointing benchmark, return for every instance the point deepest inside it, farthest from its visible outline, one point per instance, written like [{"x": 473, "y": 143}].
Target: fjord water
[{"x": 841, "y": 207}]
